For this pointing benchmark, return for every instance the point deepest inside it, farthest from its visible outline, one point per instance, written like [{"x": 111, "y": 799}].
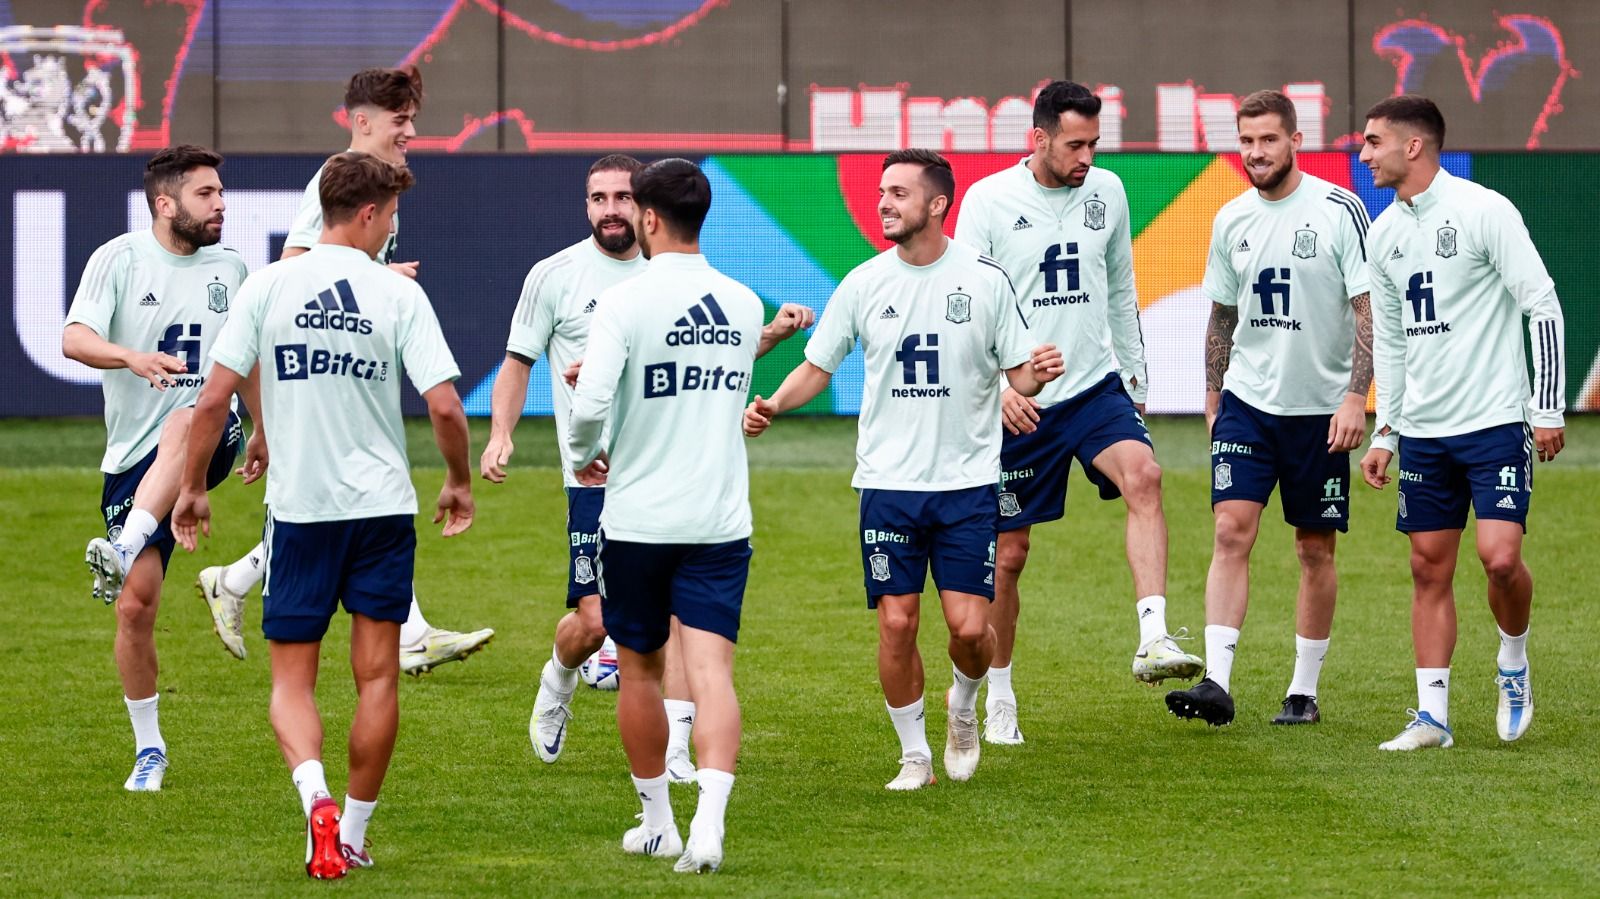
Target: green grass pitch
[{"x": 1110, "y": 795}]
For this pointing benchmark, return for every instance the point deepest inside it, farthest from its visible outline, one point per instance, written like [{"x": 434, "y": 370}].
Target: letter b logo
[
  {"x": 661, "y": 380},
  {"x": 291, "y": 359}
]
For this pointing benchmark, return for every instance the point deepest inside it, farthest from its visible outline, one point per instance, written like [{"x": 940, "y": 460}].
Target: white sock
[
  {"x": 353, "y": 821},
  {"x": 653, "y": 796},
  {"x": 713, "y": 806},
  {"x": 680, "y": 724},
  {"x": 1513, "y": 651},
  {"x": 242, "y": 576},
  {"x": 416, "y": 626},
  {"x": 1221, "y": 641},
  {"x": 964, "y": 692},
  {"x": 912, "y": 730},
  {"x": 1433, "y": 693},
  {"x": 146, "y": 724},
  {"x": 1308, "y": 656},
  {"x": 558, "y": 677},
  {"x": 999, "y": 688},
  {"x": 1152, "y": 618},
  {"x": 136, "y": 531},
  {"x": 312, "y": 783}
]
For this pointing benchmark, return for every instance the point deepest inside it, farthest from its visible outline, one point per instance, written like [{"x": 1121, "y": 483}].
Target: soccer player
[
  {"x": 938, "y": 323},
  {"x": 382, "y": 106},
  {"x": 147, "y": 311},
  {"x": 340, "y": 503},
  {"x": 1060, "y": 228},
  {"x": 669, "y": 360},
  {"x": 1453, "y": 273},
  {"x": 553, "y": 314},
  {"x": 1288, "y": 364}
]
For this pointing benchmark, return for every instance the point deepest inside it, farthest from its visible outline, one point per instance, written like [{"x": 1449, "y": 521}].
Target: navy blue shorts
[
  {"x": 116, "y": 494},
  {"x": 583, "y": 533},
  {"x": 905, "y": 532},
  {"x": 1491, "y": 470},
  {"x": 1253, "y": 451},
  {"x": 367, "y": 563},
  {"x": 1033, "y": 482},
  {"x": 643, "y": 585}
]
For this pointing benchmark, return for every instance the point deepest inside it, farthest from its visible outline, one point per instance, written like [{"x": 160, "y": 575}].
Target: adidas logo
[
  {"x": 588, "y": 307},
  {"x": 686, "y": 719},
  {"x": 1243, "y": 247},
  {"x": 1331, "y": 512},
  {"x": 334, "y": 313},
  {"x": 149, "y": 299},
  {"x": 1395, "y": 254},
  {"x": 1506, "y": 503},
  {"x": 1022, "y": 223},
  {"x": 888, "y": 312},
  {"x": 1146, "y": 613},
  {"x": 704, "y": 325},
  {"x": 1231, "y": 647},
  {"x": 1438, "y": 684}
]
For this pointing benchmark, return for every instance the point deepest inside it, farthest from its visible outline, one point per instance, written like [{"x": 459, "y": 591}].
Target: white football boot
[
  {"x": 227, "y": 609},
  {"x": 703, "y": 855},
  {"x": 961, "y": 749},
  {"x": 148, "y": 770},
  {"x": 439, "y": 646},
  {"x": 915, "y": 773},
  {"x": 1422, "y": 732},
  {"x": 1515, "y": 710},
  {"x": 1160, "y": 658},
  {"x": 643, "y": 840},
  {"x": 109, "y": 567},
  {"x": 1000, "y": 727},
  {"x": 680, "y": 770},
  {"x": 547, "y": 726}
]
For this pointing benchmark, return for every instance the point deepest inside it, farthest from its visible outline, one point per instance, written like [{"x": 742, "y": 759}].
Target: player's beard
[
  {"x": 192, "y": 231},
  {"x": 1274, "y": 177},
  {"x": 909, "y": 228},
  {"x": 616, "y": 243}
]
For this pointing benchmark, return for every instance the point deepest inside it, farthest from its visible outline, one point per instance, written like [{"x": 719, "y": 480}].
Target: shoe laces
[
  {"x": 1416, "y": 721},
  {"x": 149, "y": 762},
  {"x": 1515, "y": 687},
  {"x": 966, "y": 735},
  {"x": 556, "y": 714}
]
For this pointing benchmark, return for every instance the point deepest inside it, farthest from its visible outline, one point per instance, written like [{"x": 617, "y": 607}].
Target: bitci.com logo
[{"x": 296, "y": 362}]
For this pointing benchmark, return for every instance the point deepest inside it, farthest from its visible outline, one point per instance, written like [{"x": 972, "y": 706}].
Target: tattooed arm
[
  {"x": 1348, "y": 426},
  {"x": 1219, "y": 345}
]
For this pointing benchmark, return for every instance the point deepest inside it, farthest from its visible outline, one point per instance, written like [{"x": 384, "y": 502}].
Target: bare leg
[
  {"x": 375, "y": 663},
  {"x": 899, "y": 662},
  {"x": 135, "y": 646},
  {"x": 1011, "y": 556}
]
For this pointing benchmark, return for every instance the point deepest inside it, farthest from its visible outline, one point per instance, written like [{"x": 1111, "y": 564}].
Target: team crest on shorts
[
  {"x": 1447, "y": 242},
  {"x": 958, "y": 308},
  {"x": 1009, "y": 507},
  {"x": 114, "y": 533},
  {"x": 1402, "y": 503},
  {"x": 217, "y": 296},
  {"x": 583, "y": 570},
  {"x": 1222, "y": 478},
  {"x": 880, "y": 566},
  {"x": 1305, "y": 243},
  {"x": 1094, "y": 215}
]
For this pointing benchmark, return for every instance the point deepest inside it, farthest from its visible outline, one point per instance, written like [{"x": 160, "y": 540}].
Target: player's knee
[
  {"x": 1314, "y": 551},
  {"x": 970, "y": 632},
  {"x": 176, "y": 427},
  {"x": 1427, "y": 571},
  {"x": 897, "y": 626},
  {"x": 593, "y": 626},
  {"x": 1235, "y": 535},
  {"x": 1143, "y": 484},
  {"x": 1011, "y": 555},
  {"x": 135, "y": 610},
  {"x": 1502, "y": 567}
]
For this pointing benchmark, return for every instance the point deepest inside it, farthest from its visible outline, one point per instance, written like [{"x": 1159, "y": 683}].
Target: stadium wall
[{"x": 788, "y": 225}]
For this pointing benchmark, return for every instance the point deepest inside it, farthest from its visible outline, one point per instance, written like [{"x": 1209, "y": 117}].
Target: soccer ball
[{"x": 600, "y": 670}]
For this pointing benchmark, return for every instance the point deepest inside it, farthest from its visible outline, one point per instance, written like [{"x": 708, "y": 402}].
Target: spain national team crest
[
  {"x": 583, "y": 570},
  {"x": 1402, "y": 504},
  {"x": 880, "y": 566},
  {"x": 1305, "y": 243},
  {"x": 1447, "y": 242},
  {"x": 1222, "y": 477},
  {"x": 217, "y": 296},
  {"x": 1094, "y": 215},
  {"x": 958, "y": 308},
  {"x": 1009, "y": 507}
]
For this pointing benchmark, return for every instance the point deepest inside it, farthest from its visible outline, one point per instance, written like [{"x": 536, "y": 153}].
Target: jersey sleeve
[
  {"x": 1513, "y": 255},
  {"x": 421, "y": 343},
  {"x": 101, "y": 289},
  {"x": 835, "y": 334},
  {"x": 1013, "y": 343},
  {"x": 1221, "y": 282},
  {"x": 1127, "y": 340},
  {"x": 1350, "y": 248},
  {"x": 307, "y": 228},
  {"x": 1388, "y": 358},
  {"x": 535, "y": 318},
  {"x": 972, "y": 223},
  {"x": 596, "y": 393},
  {"x": 238, "y": 344}
]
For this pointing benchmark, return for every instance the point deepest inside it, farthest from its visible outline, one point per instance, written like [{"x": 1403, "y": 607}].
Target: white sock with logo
[
  {"x": 964, "y": 692},
  {"x": 1221, "y": 642},
  {"x": 242, "y": 576},
  {"x": 912, "y": 730},
  {"x": 713, "y": 805},
  {"x": 1152, "y": 618},
  {"x": 680, "y": 724},
  {"x": 416, "y": 626},
  {"x": 136, "y": 531},
  {"x": 999, "y": 689},
  {"x": 312, "y": 783},
  {"x": 146, "y": 723},
  {"x": 353, "y": 821},
  {"x": 1433, "y": 693},
  {"x": 653, "y": 796},
  {"x": 1308, "y": 656},
  {"x": 1513, "y": 651}
]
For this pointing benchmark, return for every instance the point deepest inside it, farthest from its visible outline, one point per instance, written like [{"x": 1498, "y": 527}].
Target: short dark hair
[
  {"x": 1059, "y": 97},
  {"x": 390, "y": 89},
  {"x": 1417, "y": 113},
  {"x": 936, "y": 171},
  {"x": 351, "y": 180},
  {"x": 166, "y": 171},
  {"x": 1267, "y": 103},
  {"x": 679, "y": 193},
  {"x": 616, "y": 162}
]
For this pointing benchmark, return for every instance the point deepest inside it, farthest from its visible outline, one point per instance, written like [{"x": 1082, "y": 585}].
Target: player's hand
[
  {"x": 1549, "y": 441},
  {"x": 1020, "y": 414},
  {"x": 495, "y": 456},
  {"x": 1375, "y": 467},
  {"x": 154, "y": 367},
  {"x": 1047, "y": 363},
  {"x": 594, "y": 474},
  {"x": 409, "y": 269},
  {"x": 1348, "y": 426},
  {"x": 455, "y": 509},
  {"x": 571, "y": 374},
  {"x": 791, "y": 317},
  {"x": 192, "y": 512},
  {"x": 255, "y": 457},
  {"x": 758, "y": 416}
]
